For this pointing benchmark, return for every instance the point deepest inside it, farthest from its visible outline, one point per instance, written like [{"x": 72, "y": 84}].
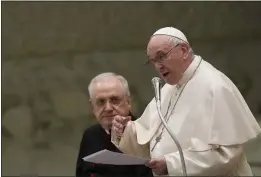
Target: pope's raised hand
[{"x": 119, "y": 123}]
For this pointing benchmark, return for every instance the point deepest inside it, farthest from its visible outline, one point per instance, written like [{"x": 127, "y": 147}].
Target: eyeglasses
[
  {"x": 161, "y": 58},
  {"x": 112, "y": 100}
]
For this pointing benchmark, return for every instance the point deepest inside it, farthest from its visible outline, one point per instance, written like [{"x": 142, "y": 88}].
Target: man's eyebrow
[
  {"x": 99, "y": 98},
  {"x": 160, "y": 52}
]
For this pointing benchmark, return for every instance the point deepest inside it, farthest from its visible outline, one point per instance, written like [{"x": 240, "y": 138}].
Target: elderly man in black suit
[{"x": 109, "y": 97}]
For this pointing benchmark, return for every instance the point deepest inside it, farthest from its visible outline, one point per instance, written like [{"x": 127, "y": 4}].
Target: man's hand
[
  {"x": 119, "y": 123},
  {"x": 158, "y": 166}
]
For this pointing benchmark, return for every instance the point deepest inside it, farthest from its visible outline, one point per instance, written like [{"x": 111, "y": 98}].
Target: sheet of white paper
[{"x": 114, "y": 158}]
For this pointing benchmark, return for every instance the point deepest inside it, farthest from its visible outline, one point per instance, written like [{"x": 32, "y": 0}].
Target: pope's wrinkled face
[
  {"x": 168, "y": 59},
  {"x": 109, "y": 99}
]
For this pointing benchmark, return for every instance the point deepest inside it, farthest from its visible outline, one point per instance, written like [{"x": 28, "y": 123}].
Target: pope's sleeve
[{"x": 205, "y": 160}]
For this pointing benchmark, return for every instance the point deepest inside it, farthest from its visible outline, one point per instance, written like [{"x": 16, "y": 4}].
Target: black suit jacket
[{"x": 95, "y": 139}]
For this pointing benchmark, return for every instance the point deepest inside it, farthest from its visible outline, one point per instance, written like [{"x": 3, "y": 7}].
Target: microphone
[{"x": 156, "y": 82}]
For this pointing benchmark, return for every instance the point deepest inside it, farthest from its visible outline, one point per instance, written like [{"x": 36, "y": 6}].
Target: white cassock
[{"x": 211, "y": 121}]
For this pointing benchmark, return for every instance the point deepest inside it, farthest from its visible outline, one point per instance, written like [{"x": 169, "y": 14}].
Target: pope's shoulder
[{"x": 214, "y": 79}]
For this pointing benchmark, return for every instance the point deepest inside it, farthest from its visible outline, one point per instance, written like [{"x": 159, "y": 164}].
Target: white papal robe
[{"x": 211, "y": 121}]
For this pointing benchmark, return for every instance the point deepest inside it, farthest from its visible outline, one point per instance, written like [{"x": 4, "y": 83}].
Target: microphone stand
[{"x": 158, "y": 105}]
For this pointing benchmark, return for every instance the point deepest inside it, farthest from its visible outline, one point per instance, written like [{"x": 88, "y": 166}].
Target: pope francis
[{"x": 202, "y": 107}]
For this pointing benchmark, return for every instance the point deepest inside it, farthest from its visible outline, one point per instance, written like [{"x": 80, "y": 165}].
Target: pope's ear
[{"x": 184, "y": 48}]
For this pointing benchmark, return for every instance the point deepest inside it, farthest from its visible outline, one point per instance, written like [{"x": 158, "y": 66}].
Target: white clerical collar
[
  {"x": 107, "y": 131},
  {"x": 189, "y": 71}
]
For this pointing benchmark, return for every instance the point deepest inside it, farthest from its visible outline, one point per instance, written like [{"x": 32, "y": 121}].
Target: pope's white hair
[
  {"x": 102, "y": 76},
  {"x": 175, "y": 41}
]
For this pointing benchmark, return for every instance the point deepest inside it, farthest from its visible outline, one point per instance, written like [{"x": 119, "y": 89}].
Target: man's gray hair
[
  {"x": 109, "y": 74},
  {"x": 175, "y": 41}
]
